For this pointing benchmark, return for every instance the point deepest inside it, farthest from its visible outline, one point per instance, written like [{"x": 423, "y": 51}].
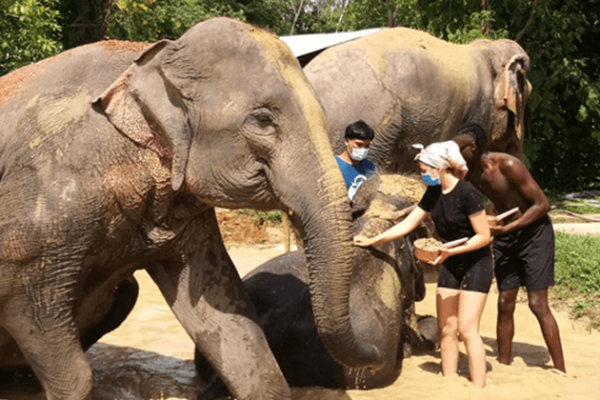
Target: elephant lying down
[{"x": 386, "y": 282}]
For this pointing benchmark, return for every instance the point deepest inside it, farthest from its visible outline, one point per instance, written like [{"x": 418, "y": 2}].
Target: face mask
[
  {"x": 359, "y": 154},
  {"x": 429, "y": 180}
]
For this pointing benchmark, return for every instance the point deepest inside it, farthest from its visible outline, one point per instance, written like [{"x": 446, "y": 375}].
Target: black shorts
[
  {"x": 526, "y": 257},
  {"x": 469, "y": 271}
]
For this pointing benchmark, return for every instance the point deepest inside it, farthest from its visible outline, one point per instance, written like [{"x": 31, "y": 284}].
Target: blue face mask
[{"x": 429, "y": 180}]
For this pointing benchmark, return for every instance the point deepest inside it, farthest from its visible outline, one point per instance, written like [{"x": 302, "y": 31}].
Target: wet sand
[
  {"x": 150, "y": 355},
  {"x": 530, "y": 377}
]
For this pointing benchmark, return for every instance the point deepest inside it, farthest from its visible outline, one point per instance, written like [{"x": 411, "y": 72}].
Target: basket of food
[{"x": 427, "y": 249}]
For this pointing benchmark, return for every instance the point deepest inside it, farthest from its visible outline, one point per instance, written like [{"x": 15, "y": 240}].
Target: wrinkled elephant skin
[
  {"x": 125, "y": 373},
  {"x": 386, "y": 282},
  {"x": 112, "y": 158},
  {"x": 414, "y": 88}
]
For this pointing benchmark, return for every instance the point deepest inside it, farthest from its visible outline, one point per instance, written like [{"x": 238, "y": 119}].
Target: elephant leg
[
  {"x": 124, "y": 299},
  {"x": 206, "y": 294},
  {"x": 45, "y": 331}
]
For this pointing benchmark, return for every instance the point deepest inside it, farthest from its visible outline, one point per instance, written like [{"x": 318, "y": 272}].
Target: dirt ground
[{"x": 150, "y": 355}]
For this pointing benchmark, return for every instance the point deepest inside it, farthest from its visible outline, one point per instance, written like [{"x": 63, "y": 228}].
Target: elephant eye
[{"x": 262, "y": 121}]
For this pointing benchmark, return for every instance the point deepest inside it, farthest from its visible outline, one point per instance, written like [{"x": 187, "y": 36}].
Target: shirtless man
[{"x": 523, "y": 246}]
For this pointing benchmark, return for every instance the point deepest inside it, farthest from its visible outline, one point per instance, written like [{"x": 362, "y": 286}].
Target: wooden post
[{"x": 285, "y": 226}]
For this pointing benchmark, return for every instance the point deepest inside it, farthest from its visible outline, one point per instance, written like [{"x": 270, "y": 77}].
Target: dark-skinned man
[{"x": 523, "y": 245}]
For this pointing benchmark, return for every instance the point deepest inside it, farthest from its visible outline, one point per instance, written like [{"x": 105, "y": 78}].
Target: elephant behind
[
  {"x": 414, "y": 88},
  {"x": 112, "y": 159},
  {"x": 386, "y": 283}
]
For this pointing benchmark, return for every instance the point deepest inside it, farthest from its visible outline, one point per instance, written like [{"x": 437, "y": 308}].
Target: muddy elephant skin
[
  {"x": 386, "y": 282},
  {"x": 414, "y": 88},
  {"x": 112, "y": 159}
]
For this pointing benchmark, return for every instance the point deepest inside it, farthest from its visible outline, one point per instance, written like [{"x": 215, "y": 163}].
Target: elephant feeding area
[{"x": 150, "y": 356}]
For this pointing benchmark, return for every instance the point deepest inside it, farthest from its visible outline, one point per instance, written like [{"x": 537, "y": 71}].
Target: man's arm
[{"x": 515, "y": 172}]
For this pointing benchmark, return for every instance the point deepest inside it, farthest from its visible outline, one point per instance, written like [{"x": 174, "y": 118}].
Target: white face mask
[{"x": 359, "y": 154}]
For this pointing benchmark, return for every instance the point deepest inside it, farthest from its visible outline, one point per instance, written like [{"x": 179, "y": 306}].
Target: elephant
[
  {"x": 113, "y": 157},
  {"x": 412, "y": 87},
  {"x": 386, "y": 282}
]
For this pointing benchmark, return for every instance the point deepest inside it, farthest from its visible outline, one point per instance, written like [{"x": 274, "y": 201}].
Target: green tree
[
  {"x": 151, "y": 20},
  {"x": 29, "y": 32},
  {"x": 563, "y": 145},
  {"x": 363, "y": 14}
]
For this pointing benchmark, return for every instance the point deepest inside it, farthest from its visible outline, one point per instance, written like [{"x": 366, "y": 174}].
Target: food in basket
[
  {"x": 427, "y": 249},
  {"x": 430, "y": 244}
]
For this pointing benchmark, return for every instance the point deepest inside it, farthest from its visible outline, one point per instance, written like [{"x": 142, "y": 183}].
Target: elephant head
[
  {"x": 227, "y": 108},
  {"x": 509, "y": 65},
  {"x": 386, "y": 282}
]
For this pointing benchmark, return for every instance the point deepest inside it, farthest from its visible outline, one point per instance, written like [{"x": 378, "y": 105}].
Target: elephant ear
[
  {"x": 148, "y": 109},
  {"x": 513, "y": 90}
]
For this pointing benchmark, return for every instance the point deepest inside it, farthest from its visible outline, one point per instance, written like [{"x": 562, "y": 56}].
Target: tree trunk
[
  {"x": 486, "y": 27},
  {"x": 392, "y": 17},
  {"x": 342, "y": 15},
  {"x": 296, "y": 14},
  {"x": 104, "y": 27}
]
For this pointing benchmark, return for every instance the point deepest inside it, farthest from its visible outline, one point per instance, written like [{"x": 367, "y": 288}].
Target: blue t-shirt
[{"x": 355, "y": 175}]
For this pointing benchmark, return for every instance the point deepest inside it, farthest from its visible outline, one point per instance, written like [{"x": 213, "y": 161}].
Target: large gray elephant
[
  {"x": 412, "y": 88},
  {"x": 113, "y": 158},
  {"x": 386, "y": 282}
]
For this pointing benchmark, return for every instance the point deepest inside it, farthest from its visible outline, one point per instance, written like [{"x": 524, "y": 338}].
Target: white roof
[{"x": 309, "y": 43}]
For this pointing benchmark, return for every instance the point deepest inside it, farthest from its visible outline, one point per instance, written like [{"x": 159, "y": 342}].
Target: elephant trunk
[{"x": 327, "y": 232}]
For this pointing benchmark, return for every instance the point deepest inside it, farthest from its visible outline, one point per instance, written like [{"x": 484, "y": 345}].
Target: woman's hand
[
  {"x": 444, "y": 254},
  {"x": 364, "y": 241}
]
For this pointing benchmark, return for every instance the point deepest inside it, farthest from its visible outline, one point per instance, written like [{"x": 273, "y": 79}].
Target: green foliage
[
  {"x": 322, "y": 16},
  {"x": 577, "y": 273},
  {"x": 581, "y": 207},
  {"x": 564, "y": 140},
  {"x": 472, "y": 28},
  {"x": 577, "y": 265},
  {"x": 263, "y": 217},
  {"x": 151, "y": 20},
  {"x": 364, "y": 14},
  {"x": 29, "y": 32}
]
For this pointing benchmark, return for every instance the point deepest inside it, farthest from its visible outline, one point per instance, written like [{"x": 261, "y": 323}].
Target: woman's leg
[
  {"x": 470, "y": 308},
  {"x": 447, "y": 312}
]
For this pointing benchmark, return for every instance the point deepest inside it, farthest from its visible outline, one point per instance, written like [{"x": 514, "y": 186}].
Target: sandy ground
[
  {"x": 529, "y": 377},
  {"x": 149, "y": 356},
  {"x": 581, "y": 229}
]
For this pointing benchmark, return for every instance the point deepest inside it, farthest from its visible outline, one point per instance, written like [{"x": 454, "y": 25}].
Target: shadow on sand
[{"x": 532, "y": 356}]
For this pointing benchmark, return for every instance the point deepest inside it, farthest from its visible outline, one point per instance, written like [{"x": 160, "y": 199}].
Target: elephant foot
[{"x": 215, "y": 387}]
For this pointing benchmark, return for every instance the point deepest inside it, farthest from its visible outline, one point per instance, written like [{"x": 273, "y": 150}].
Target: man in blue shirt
[{"x": 352, "y": 162}]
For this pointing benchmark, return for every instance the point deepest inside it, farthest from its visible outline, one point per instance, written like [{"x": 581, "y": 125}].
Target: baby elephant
[{"x": 386, "y": 282}]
